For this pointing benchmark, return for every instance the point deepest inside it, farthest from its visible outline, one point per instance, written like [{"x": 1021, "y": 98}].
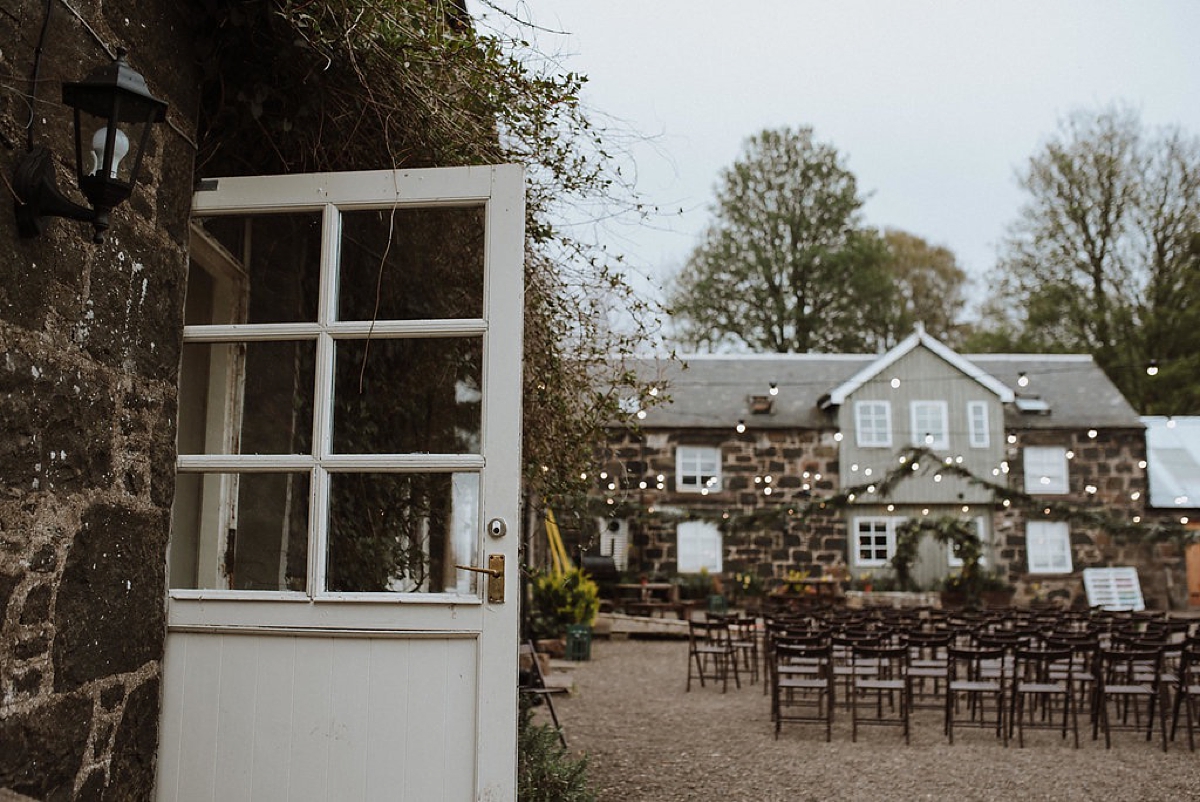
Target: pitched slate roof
[
  {"x": 714, "y": 391},
  {"x": 1074, "y": 387},
  {"x": 1173, "y": 462}
]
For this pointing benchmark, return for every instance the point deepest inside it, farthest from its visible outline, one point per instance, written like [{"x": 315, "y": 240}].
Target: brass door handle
[
  {"x": 495, "y": 572},
  {"x": 478, "y": 570}
]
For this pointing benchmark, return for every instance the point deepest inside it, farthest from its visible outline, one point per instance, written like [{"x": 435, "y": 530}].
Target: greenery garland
[{"x": 946, "y": 530}]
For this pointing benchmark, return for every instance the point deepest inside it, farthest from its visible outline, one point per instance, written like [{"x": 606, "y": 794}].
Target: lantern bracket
[{"x": 35, "y": 183}]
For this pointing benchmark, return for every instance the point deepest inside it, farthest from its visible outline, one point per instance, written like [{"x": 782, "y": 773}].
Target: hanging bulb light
[
  {"x": 774, "y": 388},
  {"x": 1152, "y": 368}
]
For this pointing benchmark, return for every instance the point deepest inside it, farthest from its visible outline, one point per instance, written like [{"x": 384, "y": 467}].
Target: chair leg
[
  {"x": 1179, "y": 693},
  {"x": 1162, "y": 715},
  {"x": 1190, "y": 711}
]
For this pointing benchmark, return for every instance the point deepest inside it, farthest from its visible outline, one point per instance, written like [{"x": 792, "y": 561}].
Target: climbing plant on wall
[
  {"x": 910, "y": 463},
  {"x": 330, "y": 85}
]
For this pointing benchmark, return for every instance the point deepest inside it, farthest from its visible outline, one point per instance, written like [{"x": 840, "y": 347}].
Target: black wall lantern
[{"x": 113, "y": 114}]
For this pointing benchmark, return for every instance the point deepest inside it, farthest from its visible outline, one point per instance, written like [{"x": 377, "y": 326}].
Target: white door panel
[{"x": 321, "y": 643}]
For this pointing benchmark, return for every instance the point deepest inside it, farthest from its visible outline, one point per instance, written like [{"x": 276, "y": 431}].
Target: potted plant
[{"x": 563, "y": 606}]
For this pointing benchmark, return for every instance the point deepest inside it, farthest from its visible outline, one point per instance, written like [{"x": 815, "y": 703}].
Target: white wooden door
[{"x": 349, "y": 435}]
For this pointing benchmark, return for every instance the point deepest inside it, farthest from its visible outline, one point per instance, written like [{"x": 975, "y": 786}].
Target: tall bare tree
[{"x": 1102, "y": 255}]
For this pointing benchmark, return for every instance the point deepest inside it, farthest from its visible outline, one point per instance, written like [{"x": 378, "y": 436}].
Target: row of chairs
[
  {"x": 1006, "y": 672},
  {"x": 721, "y": 646}
]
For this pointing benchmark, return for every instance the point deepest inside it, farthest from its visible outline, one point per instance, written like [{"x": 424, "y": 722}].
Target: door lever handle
[
  {"x": 495, "y": 572},
  {"x": 478, "y": 570}
]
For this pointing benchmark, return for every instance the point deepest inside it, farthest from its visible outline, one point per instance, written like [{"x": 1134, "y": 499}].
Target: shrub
[
  {"x": 545, "y": 772},
  {"x": 560, "y": 600}
]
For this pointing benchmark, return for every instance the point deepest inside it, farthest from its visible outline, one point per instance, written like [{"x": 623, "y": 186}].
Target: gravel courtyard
[{"x": 649, "y": 740}]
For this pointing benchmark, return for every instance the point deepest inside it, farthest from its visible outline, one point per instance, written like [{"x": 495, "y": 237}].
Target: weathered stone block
[
  {"x": 37, "y": 605},
  {"x": 43, "y": 748},
  {"x": 109, "y": 612}
]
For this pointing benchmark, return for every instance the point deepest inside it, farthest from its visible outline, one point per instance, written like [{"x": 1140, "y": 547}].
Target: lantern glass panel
[{"x": 92, "y": 139}]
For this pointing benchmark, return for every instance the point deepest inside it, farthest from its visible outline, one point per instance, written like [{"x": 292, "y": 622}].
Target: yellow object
[{"x": 560, "y": 563}]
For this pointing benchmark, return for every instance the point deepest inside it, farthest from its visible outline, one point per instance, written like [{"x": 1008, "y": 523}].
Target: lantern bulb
[{"x": 120, "y": 148}]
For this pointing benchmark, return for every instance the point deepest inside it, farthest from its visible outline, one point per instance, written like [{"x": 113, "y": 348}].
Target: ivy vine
[{"x": 332, "y": 85}]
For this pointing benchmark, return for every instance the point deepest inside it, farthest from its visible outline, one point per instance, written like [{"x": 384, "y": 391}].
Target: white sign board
[{"x": 1113, "y": 588}]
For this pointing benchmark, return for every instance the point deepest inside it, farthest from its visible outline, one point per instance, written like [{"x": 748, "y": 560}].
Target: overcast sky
[{"x": 934, "y": 105}]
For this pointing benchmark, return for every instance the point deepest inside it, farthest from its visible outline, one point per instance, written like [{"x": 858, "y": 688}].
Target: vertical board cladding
[{"x": 89, "y": 349}]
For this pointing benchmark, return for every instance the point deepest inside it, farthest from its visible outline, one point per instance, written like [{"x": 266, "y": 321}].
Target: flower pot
[{"x": 579, "y": 642}]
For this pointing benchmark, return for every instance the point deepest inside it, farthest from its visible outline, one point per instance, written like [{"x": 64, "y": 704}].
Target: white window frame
[
  {"x": 698, "y": 547},
  {"x": 698, "y": 469},
  {"x": 1048, "y": 547},
  {"x": 977, "y": 424},
  {"x": 941, "y": 433},
  {"x": 873, "y": 424},
  {"x": 984, "y": 533},
  {"x": 322, "y": 462},
  {"x": 1046, "y": 471},
  {"x": 881, "y": 525}
]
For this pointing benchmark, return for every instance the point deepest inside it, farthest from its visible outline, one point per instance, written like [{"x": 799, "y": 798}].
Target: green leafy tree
[
  {"x": 927, "y": 288},
  {"x": 1102, "y": 257},
  {"x": 784, "y": 266}
]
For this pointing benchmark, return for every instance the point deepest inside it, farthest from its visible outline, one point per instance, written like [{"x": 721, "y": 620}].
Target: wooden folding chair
[
  {"x": 711, "y": 654},
  {"x": 532, "y": 685},
  {"x": 802, "y": 684}
]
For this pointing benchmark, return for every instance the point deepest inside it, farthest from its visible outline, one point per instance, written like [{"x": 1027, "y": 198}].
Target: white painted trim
[
  {"x": 917, "y": 435},
  {"x": 840, "y": 393},
  {"x": 455, "y": 186},
  {"x": 978, "y": 437},
  {"x": 1056, "y": 538},
  {"x": 858, "y": 428},
  {"x": 239, "y": 332},
  {"x": 342, "y": 463}
]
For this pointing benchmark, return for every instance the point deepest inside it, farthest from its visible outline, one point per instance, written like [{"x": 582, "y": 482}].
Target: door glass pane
[
  {"x": 281, "y": 253},
  {"x": 401, "y": 533},
  {"x": 244, "y": 531},
  {"x": 408, "y": 396},
  {"x": 411, "y": 264},
  {"x": 248, "y": 398}
]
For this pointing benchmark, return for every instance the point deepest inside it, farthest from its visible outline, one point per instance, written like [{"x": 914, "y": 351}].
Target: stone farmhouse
[{"x": 748, "y": 467}]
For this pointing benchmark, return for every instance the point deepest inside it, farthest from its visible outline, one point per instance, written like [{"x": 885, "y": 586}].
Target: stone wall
[
  {"x": 1113, "y": 463},
  {"x": 762, "y": 538},
  {"x": 90, "y": 342},
  {"x": 765, "y": 535}
]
